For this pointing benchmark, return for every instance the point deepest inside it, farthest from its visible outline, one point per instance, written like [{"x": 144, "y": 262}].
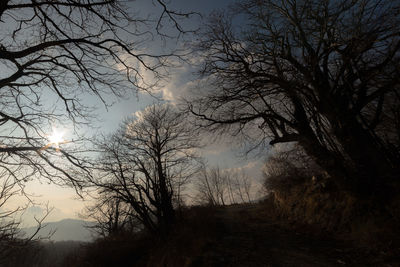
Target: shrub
[{"x": 289, "y": 168}]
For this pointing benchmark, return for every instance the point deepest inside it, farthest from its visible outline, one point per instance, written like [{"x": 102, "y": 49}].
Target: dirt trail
[{"x": 246, "y": 237}]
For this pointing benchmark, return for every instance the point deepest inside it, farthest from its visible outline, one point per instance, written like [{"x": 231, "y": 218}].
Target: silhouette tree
[
  {"x": 52, "y": 54},
  {"x": 145, "y": 162},
  {"x": 111, "y": 217},
  {"x": 12, "y": 239},
  {"x": 212, "y": 186},
  {"x": 223, "y": 187},
  {"x": 324, "y": 74}
]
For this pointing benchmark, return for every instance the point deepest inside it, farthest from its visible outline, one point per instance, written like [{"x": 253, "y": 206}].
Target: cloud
[
  {"x": 182, "y": 78},
  {"x": 251, "y": 167},
  {"x": 178, "y": 84}
]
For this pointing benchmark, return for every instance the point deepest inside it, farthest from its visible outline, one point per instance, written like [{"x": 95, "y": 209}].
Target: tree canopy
[
  {"x": 52, "y": 54},
  {"x": 324, "y": 74},
  {"x": 146, "y": 163}
]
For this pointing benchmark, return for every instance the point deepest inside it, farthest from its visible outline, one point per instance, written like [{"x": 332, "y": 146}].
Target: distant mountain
[{"x": 68, "y": 229}]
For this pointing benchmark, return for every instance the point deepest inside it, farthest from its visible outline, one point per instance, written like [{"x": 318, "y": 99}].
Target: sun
[{"x": 56, "y": 138}]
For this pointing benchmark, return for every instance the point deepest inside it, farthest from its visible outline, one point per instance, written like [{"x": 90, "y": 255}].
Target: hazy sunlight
[{"x": 56, "y": 137}]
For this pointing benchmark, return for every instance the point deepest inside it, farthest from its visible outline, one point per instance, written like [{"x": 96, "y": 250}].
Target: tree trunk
[
  {"x": 167, "y": 210},
  {"x": 372, "y": 169},
  {"x": 367, "y": 165},
  {"x": 328, "y": 160}
]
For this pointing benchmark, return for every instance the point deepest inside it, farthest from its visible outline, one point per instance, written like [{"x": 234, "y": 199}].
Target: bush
[{"x": 289, "y": 168}]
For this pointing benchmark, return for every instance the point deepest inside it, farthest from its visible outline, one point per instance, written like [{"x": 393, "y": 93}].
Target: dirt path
[{"x": 248, "y": 238}]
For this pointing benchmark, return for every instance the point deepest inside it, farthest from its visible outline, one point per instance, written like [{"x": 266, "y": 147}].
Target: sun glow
[{"x": 56, "y": 138}]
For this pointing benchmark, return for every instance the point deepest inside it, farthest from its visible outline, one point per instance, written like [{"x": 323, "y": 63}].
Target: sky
[{"x": 224, "y": 153}]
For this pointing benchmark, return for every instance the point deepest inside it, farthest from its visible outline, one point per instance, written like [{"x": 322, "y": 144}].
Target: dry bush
[
  {"x": 289, "y": 168},
  {"x": 280, "y": 175},
  {"x": 302, "y": 193}
]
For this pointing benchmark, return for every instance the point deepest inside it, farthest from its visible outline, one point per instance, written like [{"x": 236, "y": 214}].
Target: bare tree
[
  {"x": 145, "y": 162},
  {"x": 8, "y": 225},
  {"x": 223, "y": 187},
  {"x": 53, "y": 54},
  {"x": 212, "y": 186},
  {"x": 243, "y": 186},
  {"x": 111, "y": 216},
  {"x": 12, "y": 239},
  {"x": 324, "y": 74}
]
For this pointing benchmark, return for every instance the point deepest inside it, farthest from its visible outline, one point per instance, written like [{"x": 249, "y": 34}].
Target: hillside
[
  {"x": 237, "y": 235},
  {"x": 247, "y": 235},
  {"x": 65, "y": 230}
]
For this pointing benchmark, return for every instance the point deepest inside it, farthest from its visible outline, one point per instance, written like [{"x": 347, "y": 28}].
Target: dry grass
[{"x": 245, "y": 235}]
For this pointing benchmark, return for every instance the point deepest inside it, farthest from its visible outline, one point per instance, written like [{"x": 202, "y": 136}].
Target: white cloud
[{"x": 177, "y": 85}]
